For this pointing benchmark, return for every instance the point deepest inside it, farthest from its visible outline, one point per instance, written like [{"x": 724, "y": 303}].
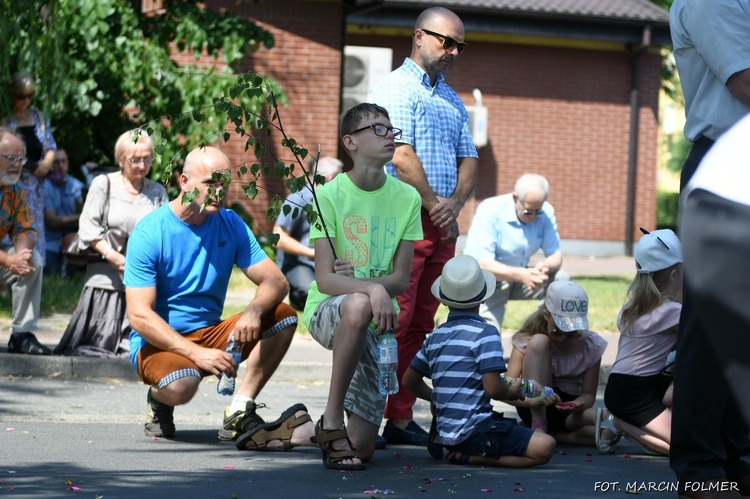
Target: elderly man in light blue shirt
[{"x": 505, "y": 233}]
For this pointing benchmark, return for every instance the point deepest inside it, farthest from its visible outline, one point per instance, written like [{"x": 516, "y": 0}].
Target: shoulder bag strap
[{"x": 105, "y": 215}]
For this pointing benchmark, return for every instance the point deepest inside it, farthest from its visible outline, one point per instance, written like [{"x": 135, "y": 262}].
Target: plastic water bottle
[
  {"x": 387, "y": 364},
  {"x": 530, "y": 387},
  {"x": 226, "y": 383}
]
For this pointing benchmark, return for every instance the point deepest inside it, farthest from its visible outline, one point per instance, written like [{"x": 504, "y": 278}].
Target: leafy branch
[{"x": 257, "y": 129}]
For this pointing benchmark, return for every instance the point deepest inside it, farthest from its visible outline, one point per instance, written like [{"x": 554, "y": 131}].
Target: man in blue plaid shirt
[{"x": 437, "y": 156}]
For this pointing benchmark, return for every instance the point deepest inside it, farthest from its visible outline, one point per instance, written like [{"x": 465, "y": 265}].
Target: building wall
[{"x": 562, "y": 112}]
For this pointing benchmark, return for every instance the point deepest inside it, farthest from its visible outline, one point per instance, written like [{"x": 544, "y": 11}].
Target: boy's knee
[
  {"x": 541, "y": 447},
  {"x": 356, "y": 309}
]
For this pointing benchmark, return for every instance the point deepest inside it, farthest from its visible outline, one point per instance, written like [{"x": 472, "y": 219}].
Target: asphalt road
[{"x": 58, "y": 433}]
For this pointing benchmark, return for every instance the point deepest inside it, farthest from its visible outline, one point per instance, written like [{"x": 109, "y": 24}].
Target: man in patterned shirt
[
  {"x": 20, "y": 264},
  {"x": 437, "y": 156}
]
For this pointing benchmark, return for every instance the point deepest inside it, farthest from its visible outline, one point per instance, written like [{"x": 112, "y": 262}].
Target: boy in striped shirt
[{"x": 464, "y": 359}]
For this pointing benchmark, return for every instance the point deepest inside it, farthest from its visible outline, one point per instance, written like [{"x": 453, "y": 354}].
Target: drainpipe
[{"x": 637, "y": 52}]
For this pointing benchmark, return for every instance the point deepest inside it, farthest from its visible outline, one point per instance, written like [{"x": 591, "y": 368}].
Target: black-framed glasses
[
  {"x": 145, "y": 161},
  {"x": 447, "y": 42},
  {"x": 380, "y": 130},
  {"x": 10, "y": 158},
  {"x": 532, "y": 212},
  {"x": 24, "y": 96}
]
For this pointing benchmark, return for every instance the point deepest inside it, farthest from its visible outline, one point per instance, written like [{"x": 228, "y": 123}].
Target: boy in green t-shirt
[{"x": 372, "y": 221}]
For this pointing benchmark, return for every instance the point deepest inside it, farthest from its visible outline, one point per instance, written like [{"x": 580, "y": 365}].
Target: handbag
[{"x": 117, "y": 239}]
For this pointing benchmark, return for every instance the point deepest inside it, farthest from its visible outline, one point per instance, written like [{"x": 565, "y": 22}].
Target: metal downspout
[{"x": 633, "y": 140}]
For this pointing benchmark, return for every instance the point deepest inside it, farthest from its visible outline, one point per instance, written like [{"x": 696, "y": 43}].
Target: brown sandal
[
  {"x": 281, "y": 429},
  {"x": 332, "y": 457}
]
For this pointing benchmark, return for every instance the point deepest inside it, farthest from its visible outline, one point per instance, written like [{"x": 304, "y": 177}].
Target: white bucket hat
[
  {"x": 657, "y": 250},
  {"x": 463, "y": 284},
  {"x": 568, "y": 304}
]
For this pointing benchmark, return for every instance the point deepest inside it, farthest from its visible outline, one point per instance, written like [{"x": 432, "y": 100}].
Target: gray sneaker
[
  {"x": 160, "y": 418},
  {"x": 240, "y": 422}
]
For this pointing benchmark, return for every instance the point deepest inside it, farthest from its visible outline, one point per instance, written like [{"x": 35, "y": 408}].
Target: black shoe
[
  {"x": 380, "y": 442},
  {"x": 413, "y": 434},
  {"x": 240, "y": 422},
  {"x": 160, "y": 418},
  {"x": 26, "y": 343}
]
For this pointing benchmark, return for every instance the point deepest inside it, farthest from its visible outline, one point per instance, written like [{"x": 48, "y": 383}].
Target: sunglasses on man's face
[{"x": 447, "y": 42}]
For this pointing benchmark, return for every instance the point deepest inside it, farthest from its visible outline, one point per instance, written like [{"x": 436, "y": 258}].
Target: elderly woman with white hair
[{"x": 100, "y": 326}]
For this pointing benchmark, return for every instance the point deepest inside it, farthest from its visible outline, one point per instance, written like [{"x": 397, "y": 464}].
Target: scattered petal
[
  {"x": 10, "y": 429},
  {"x": 519, "y": 489},
  {"x": 398, "y": 455},
  {"x": 486, "y": 490},
  {"x": 11, "y": 489},
  {"x": 76, "y": 489},
  {"x": 408, "y": 467},
  {"x": 638, "y": 458},
  {"x": 588, "y": 460},
  {"x": 563, "y": 453},
  {"x": 228, "y": 466},
  {"x": 155, "y": 439},
  {"x": 626, "y": 456}
]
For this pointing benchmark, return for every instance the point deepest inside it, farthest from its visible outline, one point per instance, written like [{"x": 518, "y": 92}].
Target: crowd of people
[{"x": 414, "y": 167}]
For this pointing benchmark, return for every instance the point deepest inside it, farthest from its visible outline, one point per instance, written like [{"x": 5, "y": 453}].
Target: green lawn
[{"x": 606, "y": 296}]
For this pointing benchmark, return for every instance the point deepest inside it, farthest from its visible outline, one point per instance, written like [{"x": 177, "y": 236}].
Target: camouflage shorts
[{"x": 363, "y": 397}]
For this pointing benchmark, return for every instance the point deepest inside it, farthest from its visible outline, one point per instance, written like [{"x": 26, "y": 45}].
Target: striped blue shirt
[
  {"x": 455, "y": 356},
  {"x": 434, "y": 122}
]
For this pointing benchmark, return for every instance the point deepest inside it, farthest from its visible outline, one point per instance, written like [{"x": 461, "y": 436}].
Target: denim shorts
[{"x": 494, "y": 437}]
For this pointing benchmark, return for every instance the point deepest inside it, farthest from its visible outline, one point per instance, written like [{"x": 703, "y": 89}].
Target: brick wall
[{"x": 561, "y": 112}]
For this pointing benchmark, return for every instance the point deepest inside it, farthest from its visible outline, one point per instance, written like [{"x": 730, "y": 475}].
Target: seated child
[
  {"x": 555, "y": 347},
  {"x": 464, "y": 359},
  {"x": 639, "y": 389},
  {"x": 372, "y": 221}
]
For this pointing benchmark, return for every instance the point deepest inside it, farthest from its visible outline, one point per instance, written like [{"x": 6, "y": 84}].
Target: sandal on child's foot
[
  {"x": 605, "y": 446},
  {"x": 333, "y": 458}
]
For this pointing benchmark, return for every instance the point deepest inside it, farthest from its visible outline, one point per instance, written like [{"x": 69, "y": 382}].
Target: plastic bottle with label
[
  {"x": 226, "y": 383},
  {"x": 387, "y": 364},
  {"x": 530, "y": 387}
]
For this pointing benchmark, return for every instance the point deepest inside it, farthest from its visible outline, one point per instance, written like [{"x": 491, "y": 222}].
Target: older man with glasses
[
  {"x": 20, "y": 263},
  {"x": 505, "y": 233},
  {"x": 436, "y": 155}
]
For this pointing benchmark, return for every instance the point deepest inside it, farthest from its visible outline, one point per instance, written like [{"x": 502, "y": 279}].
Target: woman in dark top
[{"x": 35, "y": 130}]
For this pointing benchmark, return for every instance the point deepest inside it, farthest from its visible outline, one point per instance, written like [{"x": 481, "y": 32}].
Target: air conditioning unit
[{"x": 363, "y": 68}]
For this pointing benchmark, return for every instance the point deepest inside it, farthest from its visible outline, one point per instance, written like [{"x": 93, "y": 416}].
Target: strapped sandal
[
  {"x": 281, "y": 429},
  {"x": 602, "y": 445},
  {"x": 332, "y": 458}
]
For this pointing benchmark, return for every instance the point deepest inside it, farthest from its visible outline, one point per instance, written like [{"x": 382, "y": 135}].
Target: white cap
[
  {"x": 568, "y": 304},
  {"x": 657, "y": 250},
  {"x": 463, "y": 284}
]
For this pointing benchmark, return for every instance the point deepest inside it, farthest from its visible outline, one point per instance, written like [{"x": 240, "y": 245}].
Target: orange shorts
[{"x": 159, "y": 367}]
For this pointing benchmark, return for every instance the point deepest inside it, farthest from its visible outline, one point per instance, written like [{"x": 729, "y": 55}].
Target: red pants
[{"x": 418, "y": 308}]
